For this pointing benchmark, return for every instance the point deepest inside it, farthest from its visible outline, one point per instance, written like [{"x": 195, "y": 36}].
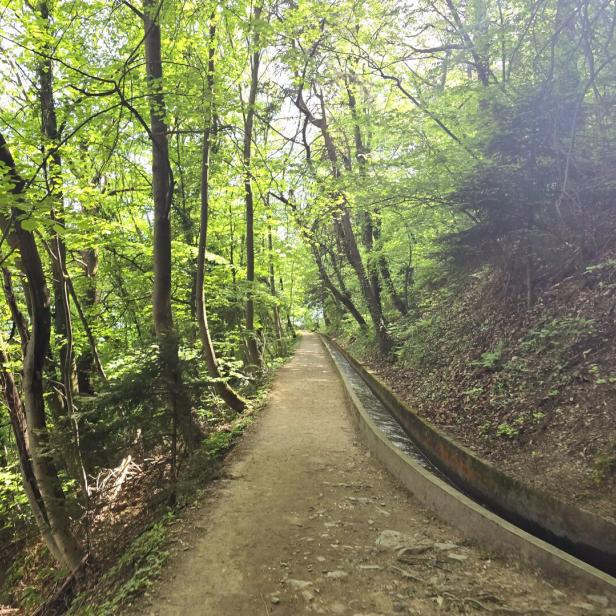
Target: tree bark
[
  {"x": 17, "y": 418},
  {"x": 65, "y": 547},
  {"x": 361, "y": 154},
  {"x": 399, "y": 304},
  {"x": 162, "y": 192},
  {"x": 272, "y": 285},
  {"x": 62, "y": 312},
  {"x": 343, "y": 298},
  {"x": 254, "y": 359},
  {"x": 89, "y": 361},
  {"x": 16, "y": 314},
  {"x": 223, "y": 389}
]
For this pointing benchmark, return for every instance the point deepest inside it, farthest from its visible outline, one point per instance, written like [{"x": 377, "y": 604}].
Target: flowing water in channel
[{"x": 379, "y": 414}]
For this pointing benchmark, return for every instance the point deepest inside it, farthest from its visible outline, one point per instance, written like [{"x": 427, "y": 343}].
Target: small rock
[
  {"x": 370, "y": 567},
  {"x": 275, "y": 600},
  {"x": 298, "y": 584},
  {"x": 557, "y": 594},
  {"x": 442, "y": 547},
  {"x": 308, "y": 596},
  {"x": 390, "y": 540},
  {"x": 336, "y": 575},
  {"x": 413, "y": 550},
  {"x": 599, "y": 600},
  {"x": 458, "y": 557},
  {"x": 337, "y": 608},
  {"x": 361, "y": 500},
  {"x": 321, "y": 559},
  {"x": 587, "y": 607}
]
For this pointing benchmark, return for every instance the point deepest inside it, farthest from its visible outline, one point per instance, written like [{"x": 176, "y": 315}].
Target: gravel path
[{"x": 304, "y": 520}]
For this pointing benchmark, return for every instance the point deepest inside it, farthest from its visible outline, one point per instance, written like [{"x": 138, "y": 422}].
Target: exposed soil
[
  {"x": 304, "y": 520},
  {"x": 533, "y": 391}
]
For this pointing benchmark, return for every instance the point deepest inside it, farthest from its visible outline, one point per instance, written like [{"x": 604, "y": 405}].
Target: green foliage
[
  {"x": 491, "y": 360},
  {"x": 14, "y": 511},
  {"x": 219, "y": 442},
  {"x": 559, "y": 334},
  {"x": 488, "y": 150},
  {"x": 507, "y": 431},
  {"x": 422, "y": 348},
  {"x": 26, "y": 579}
]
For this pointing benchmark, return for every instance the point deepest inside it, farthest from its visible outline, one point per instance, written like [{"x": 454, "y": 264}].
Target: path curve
[{"x": 304, "y": 520}]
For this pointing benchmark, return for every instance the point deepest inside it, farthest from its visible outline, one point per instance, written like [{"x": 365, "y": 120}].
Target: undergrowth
[
  {"x": 142, "y": 562},
  {"x": 133, "y": 573}
]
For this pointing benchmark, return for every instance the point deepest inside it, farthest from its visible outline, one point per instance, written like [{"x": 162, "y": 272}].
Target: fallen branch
[{"x": 56, "y": 604}]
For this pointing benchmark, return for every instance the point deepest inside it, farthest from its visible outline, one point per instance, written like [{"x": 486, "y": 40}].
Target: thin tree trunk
[
  {"x": 223, "y": 389},
  {"x": 343, "y": 298},
  {"x": 62, "y": 311},
  {"x": 162, "y": 190},
  {"x": 254, "y": 359},
  {"x": 95, "y": 357},
  {"x": 89, "y": 361},
  {"x": 361, "y": 154},
  {"x": 65, "y": 547},
  {"x": 396, "y": 300},
  {"x": 272, "y": 284},
  {"x": 18, "y": 424},
  {"x": 354, "y": 257},
  {"x": 16, "y": 314},
  {"x": 344, "y": 228}
]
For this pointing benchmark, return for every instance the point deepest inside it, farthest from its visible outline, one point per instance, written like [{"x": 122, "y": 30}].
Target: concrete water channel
[
  {"x": 438, "y": 489},
  {"x": 381, "y": 416}
]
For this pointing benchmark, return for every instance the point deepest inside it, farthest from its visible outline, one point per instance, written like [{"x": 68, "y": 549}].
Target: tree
[
  {"x": 222, "y": 388},
  {"x": 253, "y": 355},
  {"x": 43, "y": 479},
  {"x": 162, "y": 191}
]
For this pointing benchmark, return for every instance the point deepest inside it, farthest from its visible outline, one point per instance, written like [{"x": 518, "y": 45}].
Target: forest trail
[{"x": 304, "y": 520}]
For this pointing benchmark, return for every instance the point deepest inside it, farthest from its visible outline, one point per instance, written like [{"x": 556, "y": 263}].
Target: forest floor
[
  {"x": 533, "y": 391},
  {"x": 303, "y": 520}
]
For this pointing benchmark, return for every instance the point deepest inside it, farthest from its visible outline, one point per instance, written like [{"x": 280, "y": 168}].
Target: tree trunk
[
  {"x": 361, "y": 154},
  {"x": 162, "y": 192},
  {"x": 399, "y": 303},
  {"x": 16, "y": 314},
  {"x": 353, "y": 255},
  {"x": 344, "y": 228},
  {"x": 343, "y": 298},
  {"x": 89, "y": 362},
  {"x": 57, "y": 249},
  {"x": 94, "y": 360},
  {"x": 254, "y": 359},
  {"x": 18, "y": 424},
  {"x": 272, "y": 284},
  {"x": 224, "y": 390},
  {"x": 66, "y": 548}
]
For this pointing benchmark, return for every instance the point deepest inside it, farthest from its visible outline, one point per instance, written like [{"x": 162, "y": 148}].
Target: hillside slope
[{"x": 533, "y": 391}]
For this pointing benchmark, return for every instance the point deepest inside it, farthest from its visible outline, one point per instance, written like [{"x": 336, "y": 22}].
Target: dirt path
[{"x": 305, "y": 521}]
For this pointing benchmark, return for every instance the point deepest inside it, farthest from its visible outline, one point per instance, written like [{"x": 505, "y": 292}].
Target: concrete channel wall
[{"x": 454, "y": 507}]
